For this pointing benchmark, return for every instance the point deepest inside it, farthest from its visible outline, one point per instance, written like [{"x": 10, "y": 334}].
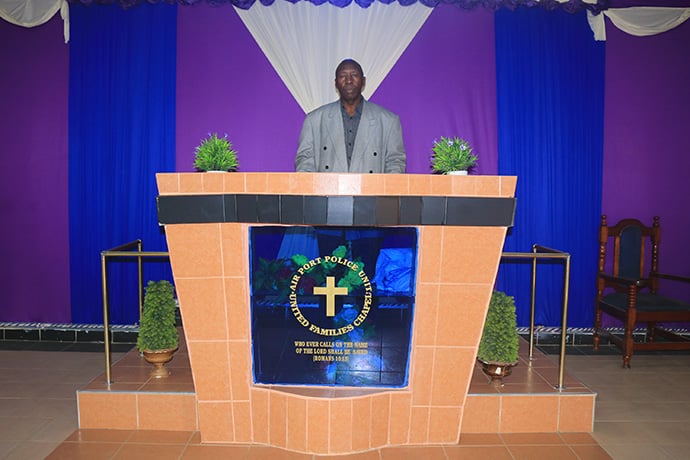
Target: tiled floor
[{"x": 643, "y": 412}]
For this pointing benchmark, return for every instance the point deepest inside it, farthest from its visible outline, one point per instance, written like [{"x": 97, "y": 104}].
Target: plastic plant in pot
[
  {"x": 452, "y": 156},
  {"x": 158, "y": 337},
  {"x": 498, "y": 347},
  {"x": 215, "y": 154}
]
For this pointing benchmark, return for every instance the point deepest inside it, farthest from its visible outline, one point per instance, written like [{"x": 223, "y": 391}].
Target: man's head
[{"x": 349, "y": 81}]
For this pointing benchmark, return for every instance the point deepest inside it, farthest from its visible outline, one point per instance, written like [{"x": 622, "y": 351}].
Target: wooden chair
[{"x": 626, "y": 294}]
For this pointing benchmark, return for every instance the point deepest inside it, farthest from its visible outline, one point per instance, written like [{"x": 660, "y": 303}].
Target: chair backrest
[{"x": 633, "y": 244}]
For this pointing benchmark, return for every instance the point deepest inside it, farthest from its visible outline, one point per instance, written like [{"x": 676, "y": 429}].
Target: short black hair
[{"x": 348, "y": 61}]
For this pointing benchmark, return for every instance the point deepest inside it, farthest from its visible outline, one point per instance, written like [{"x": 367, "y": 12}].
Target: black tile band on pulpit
[{"x": 342, "y": 210}]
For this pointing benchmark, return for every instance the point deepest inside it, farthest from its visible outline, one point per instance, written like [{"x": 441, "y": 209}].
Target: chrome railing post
[
  {"x": 542, "y": 252},
  {"x": 122, "y": 251}
]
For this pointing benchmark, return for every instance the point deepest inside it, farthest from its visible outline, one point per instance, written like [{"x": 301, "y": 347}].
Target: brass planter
[
  {"x": 497, "y": 371},
  {"x": 158, "y": 358}
]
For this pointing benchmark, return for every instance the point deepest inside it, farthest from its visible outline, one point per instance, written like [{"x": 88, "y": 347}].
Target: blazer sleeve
[
  {"x": 395, "y": 149},
  {"x": 305, "y": 160}
]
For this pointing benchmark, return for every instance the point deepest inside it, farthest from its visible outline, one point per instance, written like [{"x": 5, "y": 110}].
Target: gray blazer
[{"x": 378, "y": 146}]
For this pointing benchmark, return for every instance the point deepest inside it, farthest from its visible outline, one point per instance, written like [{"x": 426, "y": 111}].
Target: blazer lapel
[{"x": 363, "y": 136}]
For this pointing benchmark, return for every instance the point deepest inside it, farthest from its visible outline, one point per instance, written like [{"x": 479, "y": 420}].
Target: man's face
[{"x": 350, "y": 82}]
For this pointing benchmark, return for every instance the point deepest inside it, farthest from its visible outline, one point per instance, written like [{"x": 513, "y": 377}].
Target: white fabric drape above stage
[
  {"x": 305, "y": 42},
  {"x": 32, "y": 13},
  {"x": 640, "y": 21}
]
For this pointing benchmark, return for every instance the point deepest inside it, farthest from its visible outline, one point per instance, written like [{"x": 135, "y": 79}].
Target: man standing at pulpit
[{"x": 351, "y": 134}]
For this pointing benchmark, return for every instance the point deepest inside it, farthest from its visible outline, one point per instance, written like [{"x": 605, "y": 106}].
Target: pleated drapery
[
  {"x": 121, "y": 133},
  {"x": 550, "y": 93}
]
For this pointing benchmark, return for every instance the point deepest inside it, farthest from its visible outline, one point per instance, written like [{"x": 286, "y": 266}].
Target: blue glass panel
[{"x": 332, "y": 305}]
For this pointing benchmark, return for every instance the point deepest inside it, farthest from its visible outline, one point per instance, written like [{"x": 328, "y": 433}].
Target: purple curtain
[
  {"x": 34, "y": 273},
  {"x": 646, "y": 142}
]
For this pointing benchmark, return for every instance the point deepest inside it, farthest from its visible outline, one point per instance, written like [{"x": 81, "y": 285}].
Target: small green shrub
[
  {"x": 452, "y": 154},
  {"x": 499, "y": 342},
  {"x": 157, "y": 330},
  {"x": 215, "y": 154}
]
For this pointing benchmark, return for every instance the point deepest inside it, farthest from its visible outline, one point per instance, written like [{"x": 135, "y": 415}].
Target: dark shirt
[{"x": 350, "y": 125}]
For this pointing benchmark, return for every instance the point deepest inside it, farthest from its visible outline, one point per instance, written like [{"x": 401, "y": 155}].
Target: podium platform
[
  {"x": 461, "y": 222},
  {"x": 135, "y": 401}
]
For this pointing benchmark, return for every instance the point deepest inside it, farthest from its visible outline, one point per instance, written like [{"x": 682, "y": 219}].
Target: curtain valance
[
  {"x": 32, "y": 13},
  {"x": 568, "y": 5},
  {"x": 640, "y": 21}
]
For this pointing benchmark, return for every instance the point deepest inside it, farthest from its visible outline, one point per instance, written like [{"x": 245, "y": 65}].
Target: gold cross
[{"x": 330, "y": 291}]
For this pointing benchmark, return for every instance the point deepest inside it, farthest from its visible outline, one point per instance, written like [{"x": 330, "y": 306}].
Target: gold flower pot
[
  {"x": 158, "y": 358},
  {"x": 497, "y": 371}
]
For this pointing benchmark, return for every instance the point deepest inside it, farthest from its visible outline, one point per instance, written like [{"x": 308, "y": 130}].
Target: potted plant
[
  {"x": 498, "y": 347},
  {"x": 158, "y": 337},
  {"x": 452, "y": 156},
  {"x": 215, "y": 154}
]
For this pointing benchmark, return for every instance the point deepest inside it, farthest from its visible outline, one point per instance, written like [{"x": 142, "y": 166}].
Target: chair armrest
[
  {"x": 666, "y": 276},
  {"x": 623, "y": 282}
]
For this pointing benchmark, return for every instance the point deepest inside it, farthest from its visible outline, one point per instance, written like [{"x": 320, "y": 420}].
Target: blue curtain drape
[
  {"x": 121, "y": 132},
  {"x": 550, "y": 93}
]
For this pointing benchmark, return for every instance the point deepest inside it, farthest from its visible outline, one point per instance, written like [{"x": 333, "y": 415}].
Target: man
[{"x": 352, "y": 134}]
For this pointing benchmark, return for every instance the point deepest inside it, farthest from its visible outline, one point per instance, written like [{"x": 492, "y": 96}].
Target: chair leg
[
  {"x": 651, "y": 332},
  {"x": 626, "y": 360},
  {"x": 628, "y": 344},
  {"x": 597, "y": 325},
  {"x": 627, "y": 348}
]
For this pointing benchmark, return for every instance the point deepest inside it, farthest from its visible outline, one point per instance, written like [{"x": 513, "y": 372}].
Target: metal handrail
[
  {"x": 543, "y": 252},
  {"x": 122, "y": 251}
]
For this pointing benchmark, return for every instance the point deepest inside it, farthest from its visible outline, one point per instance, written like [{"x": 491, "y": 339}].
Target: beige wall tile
[
  {"x": 421, "y": 372},
  {"x": 113, "y": 410},
  {"x": 419, "y": 424},
  {"x": 277, "y": 423},
  {"x": 395, "y": 184},
  {"x": 481, "y": 414},
  {"x": 470, "y": 254},
  {"x": 430, "y": 246},
  {"x": 168, "y": 183},
  {"x": 167, "y": 411},
  {"x": 256, "y": 182},
  {"x": 361, "y": 423},
  {"x": 202, "y": 307},
  {"x": 233, "y": 183},
  {"x": 543, "y": 412},
  {"x": 400, "y": 418},
  {"x": 318, "y": 425},
  {"x": 191, "y": 183},
  {"x": 380, "y": 409},
  {"x": 215, "y": 421},
  {"x": 210, "y": 364},
  {"x": 194, "y": 250},
  {"x": 240, "y": 370},
  {"x": 426, "y": 313},
  {"x": 236, "y": 301},
  {"x": 297, "y": 424},
  {"x": 576, "y": 413},
  {"x": 259, "y": 408},
  {"x": 461, "y": 312},
  {"x": 451, "y": 374},
  {"x": 212, "y": 182},
  {"x": 444, "y": 424},
  {"x": 340, "y": 420},
  {"x": 278, "y": 182},
  {"x": 420, "y": 184},
  {"x": 242, "y": 421}
]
